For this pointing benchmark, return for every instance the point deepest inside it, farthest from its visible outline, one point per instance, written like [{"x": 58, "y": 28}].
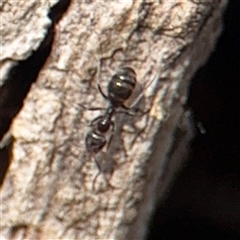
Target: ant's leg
[
  {"x": 98, "y": 79},
  {"x": 111, "y": 136},
  {"x": 92, "y": 109},
  {"x": 99, "y": 171},
  {"x": 131, "y": 112},
  {"x": 94, "y": 121},
  {"x": 96, "y": 176},
  {"x": 142, "y": 93},
  {"x": 101, "y": 91}
]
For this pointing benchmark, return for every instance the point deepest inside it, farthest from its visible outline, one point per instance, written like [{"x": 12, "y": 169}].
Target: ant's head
[{"x": 94, "y": 142}]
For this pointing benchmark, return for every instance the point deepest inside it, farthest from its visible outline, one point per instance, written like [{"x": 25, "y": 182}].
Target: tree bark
[{"x": 53, "y": 188}]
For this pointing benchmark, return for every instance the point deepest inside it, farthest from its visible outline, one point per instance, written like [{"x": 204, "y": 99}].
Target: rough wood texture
[
  {"x": 50, "y": 191},
  {"x": 23, "y": 27}
]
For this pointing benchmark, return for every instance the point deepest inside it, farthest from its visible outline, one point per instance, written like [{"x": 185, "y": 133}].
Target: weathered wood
[{"x": 50, "y": 191}]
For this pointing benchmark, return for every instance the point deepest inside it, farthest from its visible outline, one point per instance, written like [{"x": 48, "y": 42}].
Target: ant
[{"x": 119, "y": 90}]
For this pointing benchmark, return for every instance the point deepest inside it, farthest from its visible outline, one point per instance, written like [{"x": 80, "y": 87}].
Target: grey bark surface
[{"x": 53, "y": 189}]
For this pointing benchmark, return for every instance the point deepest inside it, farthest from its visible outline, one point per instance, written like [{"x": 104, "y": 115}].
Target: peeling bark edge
[{"x": 20, "y": 78}]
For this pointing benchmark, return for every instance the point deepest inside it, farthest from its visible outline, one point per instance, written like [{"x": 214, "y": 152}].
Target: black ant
[{"x": 119, "y": 90}]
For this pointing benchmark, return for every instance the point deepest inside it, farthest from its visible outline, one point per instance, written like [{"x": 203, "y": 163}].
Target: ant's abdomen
[{"x": 121, "y": 86}]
